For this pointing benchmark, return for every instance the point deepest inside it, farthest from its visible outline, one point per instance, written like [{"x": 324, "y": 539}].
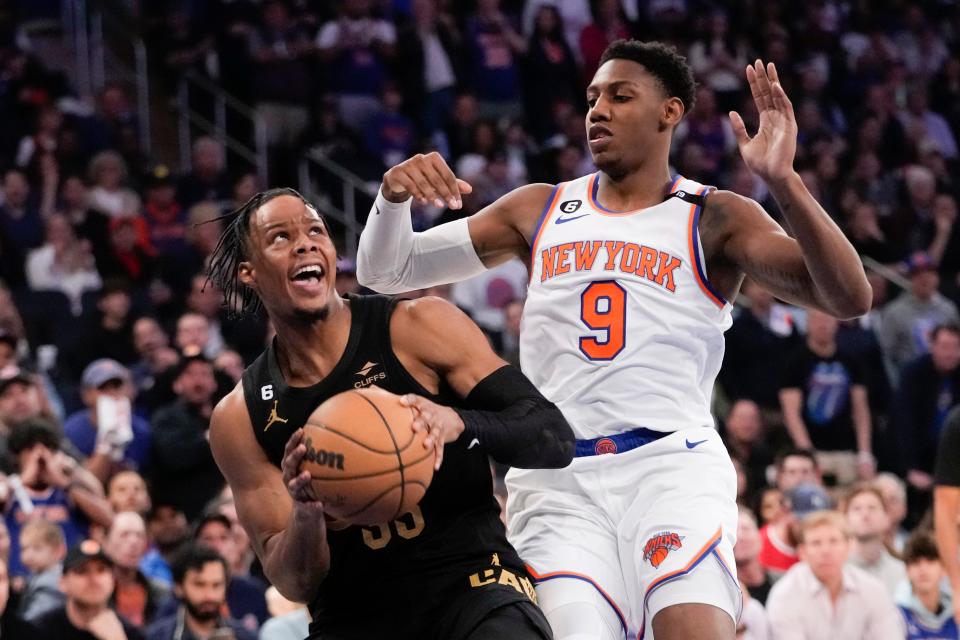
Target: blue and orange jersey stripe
[
  {"x": 542, "y": 222},
  {"x": 693, "y": 241},
  {"x": 594, "y": 186},
  {"x": 553, "y": 575},
  {"x": 698, "y": 557}
]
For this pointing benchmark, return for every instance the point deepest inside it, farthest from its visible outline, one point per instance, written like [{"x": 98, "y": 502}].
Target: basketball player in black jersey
[{"x": 444, "y": 570}]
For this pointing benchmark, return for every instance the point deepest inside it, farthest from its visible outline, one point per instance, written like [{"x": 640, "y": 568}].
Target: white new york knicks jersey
[{"x": 621, "y": 328}]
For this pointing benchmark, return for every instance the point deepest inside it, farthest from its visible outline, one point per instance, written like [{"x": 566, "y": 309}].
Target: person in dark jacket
[
  {"x": 929, "y": 387},
  {"x": 200, "y": 583}
]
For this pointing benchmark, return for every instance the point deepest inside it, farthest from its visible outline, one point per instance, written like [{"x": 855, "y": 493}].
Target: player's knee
[{"x": 577, "y": 611}]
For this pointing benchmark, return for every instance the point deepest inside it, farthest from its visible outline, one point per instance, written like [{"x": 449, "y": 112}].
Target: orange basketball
[
  {"x": 367, "y": 464},
  {"x": 658, "y": 556}
]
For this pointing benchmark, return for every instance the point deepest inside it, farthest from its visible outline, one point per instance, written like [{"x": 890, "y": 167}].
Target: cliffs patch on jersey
[{"x": 610, "y": 255}]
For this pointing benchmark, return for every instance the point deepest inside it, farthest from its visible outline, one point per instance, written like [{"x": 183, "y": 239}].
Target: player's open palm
[{"x": 771, "y": 151}]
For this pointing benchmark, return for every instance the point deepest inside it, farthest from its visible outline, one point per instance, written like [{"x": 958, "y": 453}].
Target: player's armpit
[
  {"x": 293, "y": 561},
  {"x": 505, "y": 228}
]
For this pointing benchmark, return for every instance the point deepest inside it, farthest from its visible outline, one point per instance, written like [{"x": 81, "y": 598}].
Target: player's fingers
[
  {"x": 445, "y": 196},
  {"x": 431, "y": 438},
  {"x": 411, "y": 400},
  {"x": 759, "y": 85},
  {"x": 464, "y": 186},
  {"x": 739, "y": 129},
  {"x": 415, "y": 185},
  {"x": 293, "y": 441},
  {"x": 422, "y": 169},
  {"x": 439, "y": 449},
  {"x": 763, "y": 82},
  {"x": 782, "y": 101},
  {"x": 451, "y": 189},
  {"x": 772, "y": 72},
  {"x": 296, "y": 484}
]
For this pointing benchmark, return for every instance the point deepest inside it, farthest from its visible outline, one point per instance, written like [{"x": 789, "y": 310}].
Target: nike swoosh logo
[
  {"x": 377, "y": 208},
  {"x": 691, "y": 445},
  {"x": 473, "y": 443},
  {"x": 562, "y": 220}
]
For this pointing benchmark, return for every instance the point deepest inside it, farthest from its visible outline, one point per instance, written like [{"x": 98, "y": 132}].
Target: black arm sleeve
[{"x": 515, "y": 424}]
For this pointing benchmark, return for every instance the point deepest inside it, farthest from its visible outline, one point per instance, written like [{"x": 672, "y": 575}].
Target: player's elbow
[
  {"x": 298, "y": 585},
  {"x": 857, "y": 304},
  {"x": 370, "y": 278},
  {"x": 850, "y": 304},
  {"x": 559, "y": 443},
  {"x": 376, "y": 279}
]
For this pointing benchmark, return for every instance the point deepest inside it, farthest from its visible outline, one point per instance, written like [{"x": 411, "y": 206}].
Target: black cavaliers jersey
[{"x": 399, "y": 575}]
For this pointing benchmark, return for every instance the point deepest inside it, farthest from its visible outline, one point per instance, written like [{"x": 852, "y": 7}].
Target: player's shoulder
[
  {"x": 729, "y": 210},
  {"x": 231, "y": 409},
  {"x": 431, "y": 325},
  {"x": 426, "y": 312},
  {"x": 529, "y": 197}
]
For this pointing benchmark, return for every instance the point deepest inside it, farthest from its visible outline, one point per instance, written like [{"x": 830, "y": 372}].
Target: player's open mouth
[{"x": 309, "y": 274}]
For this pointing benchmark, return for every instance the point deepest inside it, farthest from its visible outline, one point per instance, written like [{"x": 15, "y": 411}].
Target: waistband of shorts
[{"x": 618, "y": 443}]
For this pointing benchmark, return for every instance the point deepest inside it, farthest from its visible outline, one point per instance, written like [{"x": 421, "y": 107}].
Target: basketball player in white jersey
[{"x": 632, "y": 274}]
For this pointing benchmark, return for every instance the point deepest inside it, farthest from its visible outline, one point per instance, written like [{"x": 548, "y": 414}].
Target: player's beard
[{"x": 203, "y": 611}]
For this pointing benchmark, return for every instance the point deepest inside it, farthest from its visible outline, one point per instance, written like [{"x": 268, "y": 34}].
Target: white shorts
[{"x": 647, "y": 528}]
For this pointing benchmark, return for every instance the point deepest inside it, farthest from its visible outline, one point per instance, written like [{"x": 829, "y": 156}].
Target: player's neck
[
  {"x": 643, "y": 187},
  {"x": 308, "y": 351}
]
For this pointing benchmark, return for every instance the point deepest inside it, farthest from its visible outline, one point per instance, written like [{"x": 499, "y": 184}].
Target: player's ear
[
  {"x": 672, "y": 112},
  {"x": 245, "y": 273}
]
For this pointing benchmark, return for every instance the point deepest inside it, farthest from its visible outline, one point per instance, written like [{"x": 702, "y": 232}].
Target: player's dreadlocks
[{"x": 233, "y": 248}]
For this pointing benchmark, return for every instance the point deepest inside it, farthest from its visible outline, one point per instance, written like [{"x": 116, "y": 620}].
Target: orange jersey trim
[
  {"x": 692, "y": 245},
  {"x": 698, "y": 557},
  {"x": 544, "y": 221},
  {"x": 580, "y": 576}
]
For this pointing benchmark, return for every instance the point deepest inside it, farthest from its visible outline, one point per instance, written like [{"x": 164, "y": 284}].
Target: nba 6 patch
[{"x": 660, "y": 545}]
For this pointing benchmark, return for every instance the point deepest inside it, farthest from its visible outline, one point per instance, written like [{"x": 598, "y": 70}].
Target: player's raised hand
[
  {"x": 770, "y": 152},
  {"x": 296, "y": 481},
  {"x": 441, "y": 423},
  {"x": 428, "y": 179}
]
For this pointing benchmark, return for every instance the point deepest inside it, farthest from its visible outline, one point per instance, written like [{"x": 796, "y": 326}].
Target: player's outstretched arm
[
  {"x": 505, "y": 414},
  {"x": 820, "y": 268},
  {"x": 285, "y": 524},
  {"x": 394, "y": 259}
]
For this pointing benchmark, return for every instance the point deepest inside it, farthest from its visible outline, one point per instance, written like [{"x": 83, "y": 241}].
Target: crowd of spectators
[{"x": 114, "y": 348}]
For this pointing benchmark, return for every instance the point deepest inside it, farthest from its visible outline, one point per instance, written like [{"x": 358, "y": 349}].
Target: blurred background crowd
[{"x": 114, "y": 348}]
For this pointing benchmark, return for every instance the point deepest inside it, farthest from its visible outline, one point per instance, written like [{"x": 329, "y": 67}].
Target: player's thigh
[
  {"x": 579, "y": 610},
  {"x": 565, "y": 538},
  {"x": 520, "y": 620},
  {"x": 693, "y": 620},
  {"x": 676, "y": 538},
  {"x": 704, "y": 604}
]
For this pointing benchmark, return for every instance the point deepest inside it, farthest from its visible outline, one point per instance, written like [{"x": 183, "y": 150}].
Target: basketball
[{"x": 367, "y": 464}]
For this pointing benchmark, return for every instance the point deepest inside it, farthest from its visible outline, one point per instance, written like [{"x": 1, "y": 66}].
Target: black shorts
[
  {"x": 495, "y": 612},
  {"x": 517, "y": 621}
]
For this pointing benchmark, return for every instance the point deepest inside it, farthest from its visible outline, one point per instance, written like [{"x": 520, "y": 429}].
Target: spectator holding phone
[{"x": 107, "y": 431}]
